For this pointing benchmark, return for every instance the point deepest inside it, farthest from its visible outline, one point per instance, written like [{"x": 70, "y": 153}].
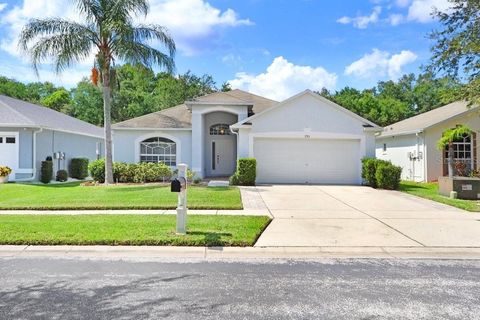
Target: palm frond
[
  {"x": 155, "y": 32},
  {"x": 452, "y": 135},
  {"x": 90, "y": 8},
  {"x": 54, "y": 26},
  {"x": 122, "y": 10},
  {"x": 135, "y": 52},
  {"x": 63, "y": 49}
]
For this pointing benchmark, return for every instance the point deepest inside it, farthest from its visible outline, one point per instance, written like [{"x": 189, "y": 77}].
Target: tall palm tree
[{"x": 109, "y": 31}]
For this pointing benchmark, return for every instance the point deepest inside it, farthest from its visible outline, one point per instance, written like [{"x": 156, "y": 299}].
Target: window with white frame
[
  {"x": 462, "y": 150},
  {"x": 220, "y": 129},
  {"x": 159, "y": 150}
]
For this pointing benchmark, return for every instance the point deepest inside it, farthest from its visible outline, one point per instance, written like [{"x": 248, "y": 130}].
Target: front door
[
  {"x": 9, "y": 151},
  {"x": 222, "y": 157}
]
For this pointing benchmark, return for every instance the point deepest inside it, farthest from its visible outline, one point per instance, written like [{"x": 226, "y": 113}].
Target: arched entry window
[
  {"x": 220, "y": 129},
  {"x": 159, "y": 150}
]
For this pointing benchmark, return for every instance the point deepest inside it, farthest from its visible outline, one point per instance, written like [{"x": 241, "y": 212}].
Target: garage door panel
[{"x": 318, "y": 161}]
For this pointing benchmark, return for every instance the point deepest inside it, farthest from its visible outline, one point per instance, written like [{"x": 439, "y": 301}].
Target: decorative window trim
[
  {"x": 172, "y": 138},
  {"x": 463, "y": 150},
  {"x": 158, "y": 149},
  {"x": 220, "y": 129}
]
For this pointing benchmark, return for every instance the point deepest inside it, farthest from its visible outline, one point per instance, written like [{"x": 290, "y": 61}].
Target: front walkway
[{"x": 354, "y": 216}]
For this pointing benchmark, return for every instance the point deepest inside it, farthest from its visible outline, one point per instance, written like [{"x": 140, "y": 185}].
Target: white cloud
[
  {"x": 395, "y": 19},
  {"x": 380, "y": 64},
  {"x": 25, "y": 73},
  {"x": 402, "y": 3},
  {"x": 421, "y": 10},
  {"x": 2, "y": 6},
  {"x": 362, "y": 22},
  {"x": 193, "y": 24},
  {"x": 283, "y": 79}
]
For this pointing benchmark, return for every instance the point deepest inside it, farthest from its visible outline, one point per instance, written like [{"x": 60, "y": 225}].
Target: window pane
[
  {"x": 158, "y": 150},
  {"x": 1, "y": 139},
  {"x": 10, "y": 140}
]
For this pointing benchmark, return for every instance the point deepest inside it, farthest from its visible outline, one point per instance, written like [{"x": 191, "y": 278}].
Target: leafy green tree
[
  {"x": 59, "y": 100},
  {"x": 87, "y": 103},
  {"x": 226, "y": 86},
  {"x": 456, "y": 49},
  {"x": 12, "y": 88},
  {"x": 109, "y": 32}
]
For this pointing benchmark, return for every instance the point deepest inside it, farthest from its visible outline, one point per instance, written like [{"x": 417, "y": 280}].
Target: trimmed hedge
[
  {"x": 388, "y": 176},
  {"x": 381, "y": 174},
  {"x": 79, "y": 168},
  {"x": 131, "y": 172},
  {"x": 62, "y": 175},
  {"x": 246, "y": 173},
  {"x": 46, "y": 171}
]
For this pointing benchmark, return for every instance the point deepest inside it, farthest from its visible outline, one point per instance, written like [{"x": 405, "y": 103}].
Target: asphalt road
[{"x": 41, "y": 288}]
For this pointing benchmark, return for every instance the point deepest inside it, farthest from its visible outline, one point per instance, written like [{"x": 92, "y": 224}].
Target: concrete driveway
[{"x": 354, "y": 216}]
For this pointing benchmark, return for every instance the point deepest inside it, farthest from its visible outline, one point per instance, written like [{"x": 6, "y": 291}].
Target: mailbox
[{"x": 175, "y": 186}]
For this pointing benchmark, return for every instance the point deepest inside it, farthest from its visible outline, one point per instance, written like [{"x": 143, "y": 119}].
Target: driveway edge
[{"x": 228, "y": 253}]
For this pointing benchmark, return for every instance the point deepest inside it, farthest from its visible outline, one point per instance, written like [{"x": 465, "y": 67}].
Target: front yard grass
[
  {"x": 71, "y": 196},
  {"x": 430, "y": 191},
  {"x": 157, "y": 230}
]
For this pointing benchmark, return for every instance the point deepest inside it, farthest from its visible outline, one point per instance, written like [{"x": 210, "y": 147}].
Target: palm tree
[{"x": 110, "y": 32}]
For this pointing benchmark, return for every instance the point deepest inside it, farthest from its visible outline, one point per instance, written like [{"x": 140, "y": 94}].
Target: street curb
[{"x": 228, "y": 253}]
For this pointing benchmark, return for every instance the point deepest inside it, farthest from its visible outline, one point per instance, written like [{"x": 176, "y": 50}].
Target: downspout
[
  {"x": 34, "y": 158},
  {"x": 238, "y": 137}
]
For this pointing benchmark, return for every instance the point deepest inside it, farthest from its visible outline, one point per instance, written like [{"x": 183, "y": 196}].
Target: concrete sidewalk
[
  {"x": 214, "y": 253},
  {"x": 245, "y": 212}
]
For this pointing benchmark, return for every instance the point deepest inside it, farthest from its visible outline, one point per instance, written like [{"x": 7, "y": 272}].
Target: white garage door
[
  {"x": 9, "y": 151},
  {"x": 316, "y": 161}
]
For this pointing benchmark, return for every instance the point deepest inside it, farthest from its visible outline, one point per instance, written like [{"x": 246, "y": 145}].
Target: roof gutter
[{"x": 404, "y": 133}]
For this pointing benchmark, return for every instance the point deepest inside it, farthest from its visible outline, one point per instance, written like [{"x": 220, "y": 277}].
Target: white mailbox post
[{"x": 182, "y": 200}]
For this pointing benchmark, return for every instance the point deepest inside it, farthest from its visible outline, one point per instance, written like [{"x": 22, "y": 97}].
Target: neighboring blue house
[{"x": 29, "y": 133}]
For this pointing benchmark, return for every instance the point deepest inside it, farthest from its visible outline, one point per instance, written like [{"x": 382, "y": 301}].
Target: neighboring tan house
[
  {"x": 29, "y": 133},
  {"x": 304, "y": 139},
  {"x": 412, "y": 143}
]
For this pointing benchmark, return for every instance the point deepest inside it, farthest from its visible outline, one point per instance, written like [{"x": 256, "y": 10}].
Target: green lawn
[
  {"x": 430, "y": 191},
  {"x": 203, "y": 230},
  {"x": 75, "y": 196}
]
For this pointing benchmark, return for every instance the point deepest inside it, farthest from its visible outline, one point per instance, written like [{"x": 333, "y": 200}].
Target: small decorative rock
[{"x": 217, "y": 183}]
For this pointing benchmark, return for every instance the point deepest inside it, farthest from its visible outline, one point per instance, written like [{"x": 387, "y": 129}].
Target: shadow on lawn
[
  {"x": 211, "y": 238},
  {"x": 64, "y": 299}
]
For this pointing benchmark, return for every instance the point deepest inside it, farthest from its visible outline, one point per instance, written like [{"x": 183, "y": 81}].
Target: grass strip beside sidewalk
[{"x": 135, "y": 230}]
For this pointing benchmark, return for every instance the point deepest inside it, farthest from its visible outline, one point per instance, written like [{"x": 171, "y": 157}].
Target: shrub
[
  {"x": 246, "y": 172},
  {"x": 369, "y": 170},
  {"x": 97, "y": 170},
  {"x": 388, "y": 176},
  {"x": 197, "y": 180},
  {"x": 129, "y": 172},
  {"x": 79, "y": 168},
  {"x": 5, "y": 171},
  {"x": 62, "y": 175},
  {"x": 234, "y": 180},
  {"x": 46, "y": 171}
]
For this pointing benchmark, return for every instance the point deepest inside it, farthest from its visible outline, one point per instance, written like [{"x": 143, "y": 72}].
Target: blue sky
[{"x": 270, "y": 47}]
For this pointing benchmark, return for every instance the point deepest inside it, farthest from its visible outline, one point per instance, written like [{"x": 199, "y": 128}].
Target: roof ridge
[
  {"x": 16, "y": 111},
  {"x": 429, "y": 111},
  {"x": 256, "y": 95}
]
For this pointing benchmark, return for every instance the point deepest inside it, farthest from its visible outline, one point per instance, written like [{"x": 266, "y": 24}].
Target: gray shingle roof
[
  {"x": 18, "y": 113},
  {"x": 180, "y": 117},
  {"x": 427, "y": 119}
]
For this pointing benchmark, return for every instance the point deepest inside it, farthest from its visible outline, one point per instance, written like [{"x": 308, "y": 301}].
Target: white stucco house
[
  {"x": 411, "y": 143},
  {"x": 304, "y": 139},
  {"x": 29, "y": 133}
]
